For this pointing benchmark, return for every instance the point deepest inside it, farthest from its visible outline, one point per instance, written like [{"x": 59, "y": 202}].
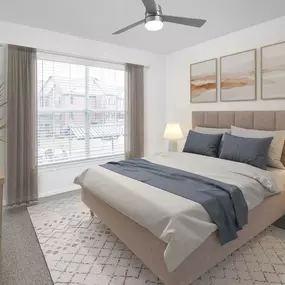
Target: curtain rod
[
  {"x": 80, "y": 57},
  {"x": 86, "y": 58}
]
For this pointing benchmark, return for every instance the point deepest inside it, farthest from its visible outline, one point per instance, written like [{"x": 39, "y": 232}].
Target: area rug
[{"x": 81, "y": 250}]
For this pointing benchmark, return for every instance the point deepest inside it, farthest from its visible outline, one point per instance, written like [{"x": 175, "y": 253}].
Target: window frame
[{"x": 86, "y": 111}]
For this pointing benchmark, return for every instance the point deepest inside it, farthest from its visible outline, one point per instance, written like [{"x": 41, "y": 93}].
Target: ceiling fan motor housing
[{"x": 154, "y": 17}]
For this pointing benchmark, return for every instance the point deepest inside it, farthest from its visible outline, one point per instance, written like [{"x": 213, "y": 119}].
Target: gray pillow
[
  {"x": 203, "y": 144},
  {"x": 276, "y": 147},
  {"x": 251, "y": 151},
  {"x": 212, "y": 131}
]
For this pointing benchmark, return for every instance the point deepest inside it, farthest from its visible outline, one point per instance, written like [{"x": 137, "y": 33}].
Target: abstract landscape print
[
  {"x": 238, "y": 76},
  {"x": 273, "y": 71},
  {"x": 203, "y": 81}
]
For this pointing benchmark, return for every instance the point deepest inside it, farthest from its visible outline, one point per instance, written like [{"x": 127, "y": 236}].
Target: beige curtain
[
  {"x": 21, "y": 125},
  {"x": 134, "y": 111}
]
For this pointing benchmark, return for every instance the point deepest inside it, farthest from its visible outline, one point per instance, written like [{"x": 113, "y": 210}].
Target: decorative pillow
[
  {"x": 203, "y": 144},
  {"x": 204, "y": 130},
  {"x": 251, "y": 151},
  {"x": 276, "y": 147}
]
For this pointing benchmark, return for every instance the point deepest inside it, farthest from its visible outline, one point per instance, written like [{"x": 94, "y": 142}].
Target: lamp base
[{"x": 172, "y": 146}]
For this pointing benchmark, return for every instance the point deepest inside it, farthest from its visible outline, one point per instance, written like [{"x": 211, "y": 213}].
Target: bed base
[{"x": 150, "y": 249}]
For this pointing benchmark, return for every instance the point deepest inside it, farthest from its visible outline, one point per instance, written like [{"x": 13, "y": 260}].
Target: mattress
[
  {"x": 181, "y": 223},
  {"x": 279, "y": 176}
]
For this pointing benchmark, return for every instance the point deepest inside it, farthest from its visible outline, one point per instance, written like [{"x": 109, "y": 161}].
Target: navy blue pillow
[
  {"x": 251, "y": 151},
  {"x": 204, "y": 144}
]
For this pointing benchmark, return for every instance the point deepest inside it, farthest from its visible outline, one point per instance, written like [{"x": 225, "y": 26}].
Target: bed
[{"x": 151, "y": 250}]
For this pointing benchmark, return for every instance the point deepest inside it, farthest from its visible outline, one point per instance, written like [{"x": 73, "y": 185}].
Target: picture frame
[
  {"x": 203, "y": 81},
  {"x": 273, "y": 71},
  {"x": 238, "y": 77}
]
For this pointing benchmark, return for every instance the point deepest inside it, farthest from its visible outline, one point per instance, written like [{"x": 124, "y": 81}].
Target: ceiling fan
[{"x": 154, "y": 19}]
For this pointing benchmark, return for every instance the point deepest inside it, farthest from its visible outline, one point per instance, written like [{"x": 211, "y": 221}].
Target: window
[{"x": 80, "y": 110}]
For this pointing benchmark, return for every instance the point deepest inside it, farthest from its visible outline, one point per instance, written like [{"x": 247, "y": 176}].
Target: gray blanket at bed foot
[{"x": 224, "y": 202}]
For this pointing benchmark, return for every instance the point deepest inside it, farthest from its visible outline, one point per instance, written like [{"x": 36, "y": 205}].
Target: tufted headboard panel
[{"x": 259, "y": 120}]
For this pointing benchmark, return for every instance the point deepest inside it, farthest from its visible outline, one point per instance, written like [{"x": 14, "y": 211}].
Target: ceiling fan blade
[
  {"x": 129, "y": 27},
  {"x": 150, "y": 6},
  {"x": 184, "y": 21}
]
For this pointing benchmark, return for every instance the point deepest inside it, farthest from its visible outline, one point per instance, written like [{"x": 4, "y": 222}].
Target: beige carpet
[{"x": 81, "y": 250}]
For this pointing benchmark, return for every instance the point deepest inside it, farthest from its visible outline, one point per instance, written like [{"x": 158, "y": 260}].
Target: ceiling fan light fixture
[
  {"x": 154, "y": 25},
  {"x": 154, "y": 22},
  {"x": 154, "y": 19}
]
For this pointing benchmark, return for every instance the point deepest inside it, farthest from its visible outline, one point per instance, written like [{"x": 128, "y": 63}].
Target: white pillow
[
  {"x": 276, "y": 147},
  {"x": 212, "y": 130}
]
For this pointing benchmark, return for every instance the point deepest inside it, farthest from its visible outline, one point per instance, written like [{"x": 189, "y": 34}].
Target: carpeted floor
[{"x": 22, "y": 261}]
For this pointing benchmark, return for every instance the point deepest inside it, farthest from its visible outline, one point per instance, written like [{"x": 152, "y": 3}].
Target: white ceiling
[{"x": 97, "y": 19}]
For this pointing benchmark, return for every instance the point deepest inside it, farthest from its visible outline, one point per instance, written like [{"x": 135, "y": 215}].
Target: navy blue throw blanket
[{"x": 224, "y": 202}]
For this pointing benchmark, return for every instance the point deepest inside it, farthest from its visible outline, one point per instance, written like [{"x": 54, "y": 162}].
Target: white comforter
[{"x": 181, "y": 223}]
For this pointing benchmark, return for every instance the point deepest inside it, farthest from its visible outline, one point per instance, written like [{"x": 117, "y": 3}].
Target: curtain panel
[
  {"x": 134, "y": 111},
  {"x": 21, "y": 125}
]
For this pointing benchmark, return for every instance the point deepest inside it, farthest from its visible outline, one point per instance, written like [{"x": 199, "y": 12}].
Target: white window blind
[{"x": 80, "y": 111}]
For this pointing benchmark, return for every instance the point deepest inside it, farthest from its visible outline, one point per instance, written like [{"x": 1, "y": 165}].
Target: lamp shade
[{"x": 173, "y": 132}]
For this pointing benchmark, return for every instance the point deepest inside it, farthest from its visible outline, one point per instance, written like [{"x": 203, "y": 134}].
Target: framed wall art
[
  {"x": 203, "y": 81},
  {"x": 273, "y": 71},
  {"x": 238, "y": 76}
]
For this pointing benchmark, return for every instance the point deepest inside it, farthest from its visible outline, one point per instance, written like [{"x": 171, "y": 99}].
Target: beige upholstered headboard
[{"x": 259, "y": 120}]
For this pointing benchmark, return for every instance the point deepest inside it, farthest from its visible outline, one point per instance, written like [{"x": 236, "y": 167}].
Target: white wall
[
  {"x": 178, "y": 107},
  {"x": 52, "y": 179}
]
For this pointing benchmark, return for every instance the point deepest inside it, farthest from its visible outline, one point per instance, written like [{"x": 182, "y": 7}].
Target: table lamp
[{"x": 172, "y": 133}]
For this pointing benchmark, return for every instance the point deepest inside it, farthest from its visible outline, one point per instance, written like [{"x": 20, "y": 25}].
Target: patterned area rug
[{"x": 81, "y": 250}]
